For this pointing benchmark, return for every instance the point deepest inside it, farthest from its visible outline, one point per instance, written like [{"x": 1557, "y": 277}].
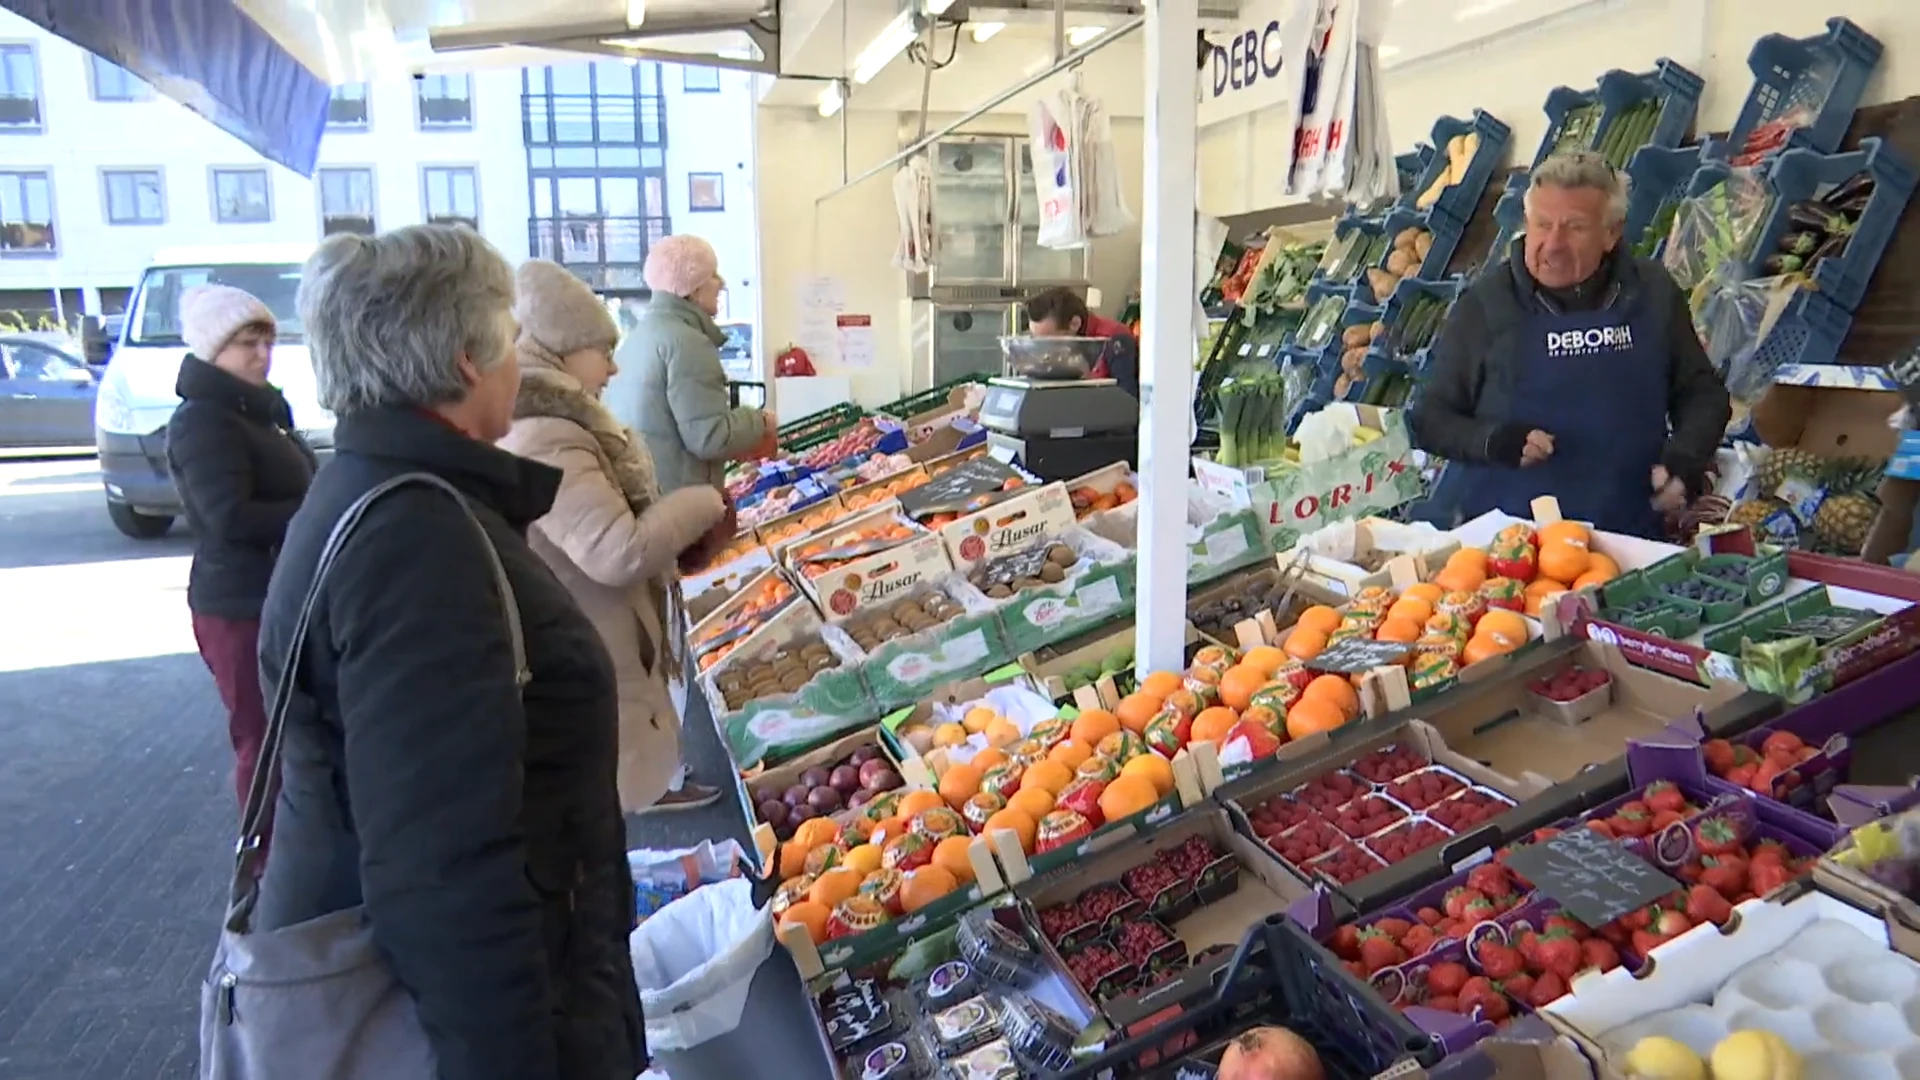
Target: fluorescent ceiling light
[
  {"x": 890, "y": 43},
  {"x": 983, "y": 32},
  {"x": 636, "y": 13},
  {"x": 1080, "y": 35},
  {"x": 831, "y": 100}
]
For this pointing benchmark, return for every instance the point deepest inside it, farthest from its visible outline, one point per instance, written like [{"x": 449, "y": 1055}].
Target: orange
[
  {"x": 1135, "y": 710},
  {"x": 793, "y": 859},
  {"x": 1264, "y": 659},
  {"x": 1484, "y": 647},
  {"x": 1048, "y": 775},
  {"x": 1154, "y": 769},
  {"x": 1460, "y": 577},
  {"x": 890, "y": 829},
  {"x": 925, "y": 885},
  {"x": 1335, "y": 691},
  {"x": 1017, "y": 820},
  {"x": 1160, "y": 683},
  {"x": 921, "y": 799},
  {"x": 1093, "y": 725},
  {"x": 1509, "y": 626},
  {"x": 978, "y": 718},
  {"x": 1597, "y": 562},
  {"x": 1126, "y": 796},
  {"x": 834, "y": 885},
  {"x": 1398, "y": 628},
  {"x": 1035, "y": 802},
  {"x": 864, "y": 859},
  {"x": 1213, "y": 724},
  {"x": 1310, "y": 715},
  {"x": 809, "y": 914},
  {"x": 1002, "y": 732},
  {"x": 1319, "y": 617},
  {"x": 1305, "y": 642},
  {"x": 957, "y": 785},
  {"x": 987, "y": 759},
  {"x": 1411, "y": 608},
  {"x": 949, "y": 735},
  {"x": 816, "y": 831},
  {"x": 1592, "y": 578},
  {"x": 1240, "y": 683},
  {"x": 1425, "y": 590},
  {"x": 1071, "y": 753},
  {"x": 951, "y": 855},
  {"x": 1564, "y": 561},
  {"x": 1537, "y": 592},
  {"x": 1568, "y": 532},
  {"x": 1468, "y": 558}
]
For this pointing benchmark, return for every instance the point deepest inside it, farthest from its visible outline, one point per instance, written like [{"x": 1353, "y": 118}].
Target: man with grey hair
[
  {"x": 1573, "y": 370},
  {"x": 468, "y": 816}
]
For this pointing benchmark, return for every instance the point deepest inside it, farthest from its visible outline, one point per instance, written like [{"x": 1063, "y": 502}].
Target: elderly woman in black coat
[{"x": 476, "y": 820}]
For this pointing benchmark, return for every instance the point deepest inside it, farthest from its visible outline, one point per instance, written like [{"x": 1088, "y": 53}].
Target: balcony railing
[
  {"x": 593, "y": 120},
  {"x": 606, "y": 251}
]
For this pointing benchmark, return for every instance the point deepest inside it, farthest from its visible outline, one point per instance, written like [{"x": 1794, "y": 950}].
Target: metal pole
[
  {"x": 1006, "y": 95},
  {"x": 1059, "y": 29},
  {"x": 1166, "y": 314}
]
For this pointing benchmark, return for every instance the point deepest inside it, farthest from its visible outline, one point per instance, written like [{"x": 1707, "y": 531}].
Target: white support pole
[{"x": 1166, "y": 313}]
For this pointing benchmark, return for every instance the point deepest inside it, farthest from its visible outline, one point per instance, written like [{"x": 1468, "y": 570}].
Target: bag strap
[{"x": 257, "y": 819}]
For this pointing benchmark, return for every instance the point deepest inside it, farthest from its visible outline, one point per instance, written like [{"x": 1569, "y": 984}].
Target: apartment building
[{"x": 584, "y": 163}]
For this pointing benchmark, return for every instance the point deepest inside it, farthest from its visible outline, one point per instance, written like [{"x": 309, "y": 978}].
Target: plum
[
  {"x": 773, "y": 812},
  {"x": 869, "y": 769},
  {"x": 863, "y": 755},
  {"x": 883, "y": 780},
  {"x": 845, "y": 779},
  {"x": 824, "y": 799},
  {"x": 801, "y": 812},
  {"x": 797, "y": 794},
  {"x": 815, "y": 777},
  {"x": 859, "y": 799}
]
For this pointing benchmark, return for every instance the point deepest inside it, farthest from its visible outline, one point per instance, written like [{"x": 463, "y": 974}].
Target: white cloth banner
[{"x": 1262, "y": 64}]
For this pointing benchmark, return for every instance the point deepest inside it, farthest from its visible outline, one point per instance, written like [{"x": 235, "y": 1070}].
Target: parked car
[{"x": 46, "y": 395}]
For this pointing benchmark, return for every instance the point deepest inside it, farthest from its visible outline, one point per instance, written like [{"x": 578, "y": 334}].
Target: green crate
[
  {"x": 1714, "y": 612},
  {"x": 811, "y": 439},
  {"x": 915, "y": 404},
  {"x": 1765, "y": 577},
  {"x": 838, "y": 416}
]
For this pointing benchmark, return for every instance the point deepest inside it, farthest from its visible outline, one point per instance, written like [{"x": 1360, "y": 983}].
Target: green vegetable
[{"x": 1253, "y": 418}]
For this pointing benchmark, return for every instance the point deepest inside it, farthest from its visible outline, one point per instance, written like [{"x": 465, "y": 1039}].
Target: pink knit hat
[
  {"x": 211, "y": 314},
  {"x": 680, "y": 265}
]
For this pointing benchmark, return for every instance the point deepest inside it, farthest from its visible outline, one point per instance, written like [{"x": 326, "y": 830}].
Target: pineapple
[
  {"x": 1853, "y": 476},
  {"x": 1786, "y": 463},
  {"x": 1751, "y": 512},
  {"x": 1842, "y": 521}
]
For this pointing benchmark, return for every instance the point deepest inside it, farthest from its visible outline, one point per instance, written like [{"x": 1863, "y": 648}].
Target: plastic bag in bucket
[
  {"x": 661, "y": 877},
  {"x": 695, "y": 960}
]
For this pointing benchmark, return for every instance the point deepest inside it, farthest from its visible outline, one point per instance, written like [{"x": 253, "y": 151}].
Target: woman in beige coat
[{"x": 611, "y": 538}]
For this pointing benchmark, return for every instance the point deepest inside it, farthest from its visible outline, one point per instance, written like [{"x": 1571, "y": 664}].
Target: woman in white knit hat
[
  {"x": 672, "y": 388},
  {"x": 613, "y": 539},
  {"x": 241, "y": 472}
]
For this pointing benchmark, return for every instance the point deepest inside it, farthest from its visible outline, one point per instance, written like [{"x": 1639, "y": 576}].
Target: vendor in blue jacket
[{"x": 1572, "y": 370}]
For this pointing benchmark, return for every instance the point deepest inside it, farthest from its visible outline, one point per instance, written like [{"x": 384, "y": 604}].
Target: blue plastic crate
[
  {"x": 1318, "y": 290},
  {"x": 1822, "y": 77},
  {"x": 1357, "y": 314},
  {"x": 1412, "y": 165},
  {"x": 1675, "y": 87},
  {"x": 1460, "y": 200},
  {"x": 1444, "y": 230},
  {"x": 1713, "y": 170},
  {"x": 1410, "y": 292},
  {"x": 1798, "y": 175},
  {"x": 1510, "y": 215},
  {"x": 1368, "y": 225},
  {"x": 1809, "y": 331},
  {"x": 1657, "y": 176}
]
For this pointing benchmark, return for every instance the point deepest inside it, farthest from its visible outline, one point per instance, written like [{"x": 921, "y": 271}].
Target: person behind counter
[
  {"x": 1573, "y": 370},
  {"x": 1062, "y": 313}
]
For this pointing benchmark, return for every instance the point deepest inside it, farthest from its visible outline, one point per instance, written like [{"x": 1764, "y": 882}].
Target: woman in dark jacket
[
  {"x": 477, "y": 821},
  {"x": 241, "y": 472}
]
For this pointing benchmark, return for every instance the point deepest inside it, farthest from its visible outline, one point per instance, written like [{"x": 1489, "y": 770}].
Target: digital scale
[{"x": 1060, "y": 429}]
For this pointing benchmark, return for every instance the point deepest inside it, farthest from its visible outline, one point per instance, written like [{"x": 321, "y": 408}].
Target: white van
[{"x": 136, "y": 397}]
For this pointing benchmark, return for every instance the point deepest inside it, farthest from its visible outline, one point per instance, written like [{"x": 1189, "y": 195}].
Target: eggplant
[
  {"x": 1780, "y": 264},
  {"x": 1816, "y": 217},
  {"x": 1800, "y": 242},
  {"x": 1858, "y": 185},
  {"x": 1832, "y": 248},
  {"x": 1855, "y": 206}
]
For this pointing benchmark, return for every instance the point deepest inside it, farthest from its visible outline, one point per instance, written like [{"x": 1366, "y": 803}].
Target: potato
[
  {"x": 1341, "y": 385},
  {"x": 1405, "y": 237},
  {"x": 1401, "y": 262},
  {"x": 1353, "y": 361},
  {"x": 1356, "y": 335},
  {"x": 1374, "y": 330},
  {"x": 1381, "y": 282},
  {"x": 1423, "y": 245}
]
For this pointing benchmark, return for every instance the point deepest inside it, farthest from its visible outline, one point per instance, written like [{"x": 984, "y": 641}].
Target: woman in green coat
[{"x": 671, "y": 387}]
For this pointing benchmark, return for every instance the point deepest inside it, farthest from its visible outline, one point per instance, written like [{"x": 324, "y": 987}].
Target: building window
[
  {"x": 111, "y": 82},
  {"x": 242, "y": 196},
  {"x": 452, "y": 195},
  {"x": 19, "y": 88},
  {"x": 443, "y": 101},
  {"x": 347, "y": 107},
  {"x": 346, "y": 201},
  {"x": 699, "y": 79},
  {"x": 134, "y": 196},
  {"x": 706, "y": 191},
  {"x": 26, "y": 211}
]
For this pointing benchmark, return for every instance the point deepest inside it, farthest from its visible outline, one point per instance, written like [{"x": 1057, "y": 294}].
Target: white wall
[{"x": 709, "y": 132}]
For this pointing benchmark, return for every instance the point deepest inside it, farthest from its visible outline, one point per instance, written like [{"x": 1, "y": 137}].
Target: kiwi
[
  {"x": 1061, "y": 555},
  {"x": 1052, "y": 574},
  {"x": 999, "y": 592},
  {"x": 1026, "y": 583}
]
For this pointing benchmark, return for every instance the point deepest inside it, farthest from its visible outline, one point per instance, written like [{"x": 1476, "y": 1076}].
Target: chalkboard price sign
[
  {"x": 957, "y": 488},
  {"x": 1597, "y": 879},
  {"x": 1358, "y": 654}
]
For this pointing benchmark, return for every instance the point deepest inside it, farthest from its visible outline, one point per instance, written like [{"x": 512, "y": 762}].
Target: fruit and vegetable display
[
  {"x": 1387, "y": 806},
  {"x": 1771, "y": 136},
  {"x": 1447, "y": 624},
  {"x": 1571, "y": 683},
  {"x": 1819, "y": 228},
  {"x": 847, "y": 783},
  {"x": 745, "y": 612},
  {"x": 1089, "y": 501},
  {"x": 1770, "y": 762},
  {"x": 1044, "y": 564},
  {"x": 1116, "y": 937},
  {"x": 830, "y": 549},
  {"x": 1281, "y": 281},
  {"x": 1322, "y": 322},
  {"x": 1631, "y": 129},
  {"x": 1417, "y": 326},
  {"x": 1797, "y": 498},
  {"x": 1351, "y": 252},
  {"x": 1254, "y": 411},
  {"x": 782, "y": 502},
  {"x": 915, "y": 613},
  {"x": 1408, "y": 250},
  {"x": 1355, "y": 341},
  {"x": 783, "y": 669},
  {"x": 1717, "y": 228},
  {"x": 1459, "y": 155},
  {"x": 877, "y": 493},
  {"x": 1577, "y": 128},
  {"x": 859, "y": 439},
  {"x": 1266, "y": 591}
]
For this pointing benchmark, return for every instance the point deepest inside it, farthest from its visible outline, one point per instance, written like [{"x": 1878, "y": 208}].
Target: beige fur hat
[
  {"x": 211, "y": 314},
  {"x": 558, "y": 312}
]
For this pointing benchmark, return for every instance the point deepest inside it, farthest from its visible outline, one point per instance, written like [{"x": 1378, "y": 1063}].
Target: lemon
[
  {"x": 1657, "y": 1057},
  {"x": 1756, "y": 1055}
]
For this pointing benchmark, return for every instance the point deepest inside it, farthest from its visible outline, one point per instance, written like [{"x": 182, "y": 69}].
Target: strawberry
[
  {"x": 1766, "y": 875},
  {"x": 1664, "y": 795},
  {"x": 1573, "y": 926},
  {"x": 1639, "y": 918},
  {"x": 1457, "y": 900},
  {"x": 1447, "y": 978},
  {"x": 1632, "y": 820},
  {"x": 1546, "y": 990},
  {"x": 1529, "y": 945},
  {"x": 1664, "y": 820},
  {"x": 1716, "y": 835},
  {"x": 1419, "y": 939},
  {"x": 1614, "y": 933},
  {"x": 1705, "y": 904},
  {"x": 1443, "y": 1002},
  {"x": 1718, "y": 754},
  {"x": 1492, "y": 881},
  {"x": 1518, "y": 987},
  {"x": 1783, "y": 745},
  {"x": 1377, "y": 951},
  {"x": 1346, "y": 942},
  {"x": 1670, "y": 923},
  {"x": 1430, "y": 916},
  {"x": 1635, "y": 806},
  {"x": 1478, "y": 910},
  {"x": 1359, "y": 971},
  {"x": 1500, "y": 961},
  {"x": 1772, "y": 851},
  {"x": 1559, "y": 953},
  {"x": 1604, "y": 828},
  {"x": 1766, "y": 775},
  {"x": 1745, "y": 755},
  {"x": 1741, "y": 775},
  {"x": 1727, "y": 874},
  {"x": 1600, "y": 954},
  {"x": 1392, "y": 927},
  {"x": 1478, "y": 995}
]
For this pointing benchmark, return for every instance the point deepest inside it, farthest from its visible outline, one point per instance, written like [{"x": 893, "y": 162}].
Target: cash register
[{"x": 1045, "y": 412}]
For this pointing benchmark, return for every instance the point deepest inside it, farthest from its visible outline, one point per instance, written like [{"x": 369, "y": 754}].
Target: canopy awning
[{"x": 208, "y": 56}]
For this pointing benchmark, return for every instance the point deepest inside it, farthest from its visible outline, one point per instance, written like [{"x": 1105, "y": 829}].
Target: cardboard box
[
  {"x": 773, "y": 728},
  {"x": 1269, "y": 627},
  {"x": 868, "y": 580},
  {"x": 839, "y": 532},
  {"x": 925, "y": 424},
  {"x": 752, "y": 786},
  {"x": 1008, "y": 526},
  {"x": 1377, "y": 540},
  {"x": 902, "y": 670},
  {"x": 1832, "y": 412},
  {"x": 1102, "y": 654},
  {"x": 1099, "y": 587},
  {"x": 1221, "y": 537},
  {"x": 759, "y": 596},
  {"x": 876, "y": 493},
  {"x": 956, "y": 694},
  {"x": 788, "y": 528},
  {"x": 728, "y": 572},
  {"x": 942, "y": 462}
]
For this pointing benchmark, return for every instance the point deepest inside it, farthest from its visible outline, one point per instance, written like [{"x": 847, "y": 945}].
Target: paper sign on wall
[
  {"x": 855, "y": 334},
  {"x": 821, "y": 300}
]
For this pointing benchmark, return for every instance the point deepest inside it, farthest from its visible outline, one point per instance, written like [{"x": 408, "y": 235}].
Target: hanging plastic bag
[
  {"x": 695, "y": 960},
  {"x": 1327, "y": 70},
  {"x": 913, "y": 206},
  {"x": 1717, "y": 229},
  {"x": 661, "y": 877},
  {"x": 1052, "y": 146},
  {"x": 1733, "y": 319},
  {"x": 1110, "y": 213}
]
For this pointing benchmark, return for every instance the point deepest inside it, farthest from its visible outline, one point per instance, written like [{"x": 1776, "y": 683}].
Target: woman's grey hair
[
  {"x": 1585, "y": 169},
  {"x": 388, "y": 317}
]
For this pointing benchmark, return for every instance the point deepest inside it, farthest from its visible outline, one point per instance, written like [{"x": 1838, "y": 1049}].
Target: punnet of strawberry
[
  {"x": 1277, "y": 813},
  {"x": 1771, "y": 767},
  {"x": 1570, "y": 683},
  {"x": 1652, "y": 810},
  {"x": 1406, "y": 840},
  {"x": 1329, "y": 791},
  {"x": 1345, "y": 864},
  {"x": 1389, "y": 763},
  {"x": 1422, "y": 789},
  {"x": 1306, "y": 842},
  {"x": 1469, "y": 809}
]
